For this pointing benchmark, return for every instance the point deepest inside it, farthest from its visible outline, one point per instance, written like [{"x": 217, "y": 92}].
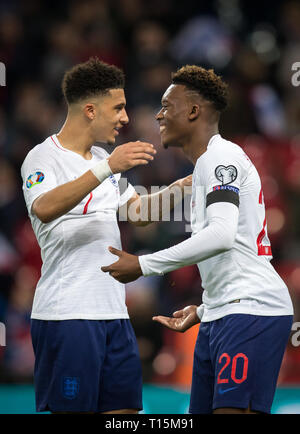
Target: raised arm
[
  {"x": 60, "y": 200},
  {"x": 216, "y": 238},
  {"x": 145, "y": 209}
]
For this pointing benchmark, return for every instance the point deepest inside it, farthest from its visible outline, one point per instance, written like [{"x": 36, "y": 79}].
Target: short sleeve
[
  {"x": 221, "y": 177},
  {"x": 126, "y": 191},
  {"x": 38, "y": 174}
]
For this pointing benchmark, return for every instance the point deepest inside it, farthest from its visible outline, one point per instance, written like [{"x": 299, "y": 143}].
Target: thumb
[
  {"x": 115, "y": 251},
  {"x": 178, "y": 313}
]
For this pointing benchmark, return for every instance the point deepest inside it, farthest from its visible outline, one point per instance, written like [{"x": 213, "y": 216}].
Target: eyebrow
[{"x": 120, "y": 105}]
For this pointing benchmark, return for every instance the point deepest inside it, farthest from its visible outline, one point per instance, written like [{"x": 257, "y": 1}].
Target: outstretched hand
[
  {"x": 182, "y": 319},
  {"x": 186, "y": 184},
  {"x": 126, "y": 269}
]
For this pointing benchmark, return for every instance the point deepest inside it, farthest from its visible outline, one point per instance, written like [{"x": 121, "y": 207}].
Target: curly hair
[
  {"x": 93, "y": 77},
  {"x": 205, "y": 82}
]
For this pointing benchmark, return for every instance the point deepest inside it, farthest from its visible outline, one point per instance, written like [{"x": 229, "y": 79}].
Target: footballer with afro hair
[
  {"x": 191, "y": 108},
  {"x": 246, "y": 309},
  {"x": 209, "y": 85}
]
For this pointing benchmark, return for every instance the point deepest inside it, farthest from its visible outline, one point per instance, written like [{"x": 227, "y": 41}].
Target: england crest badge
[{"x": 70, "y": 387}]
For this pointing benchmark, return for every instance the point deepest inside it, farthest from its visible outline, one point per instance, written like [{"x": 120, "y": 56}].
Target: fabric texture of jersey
[
  {"x": 75, "y": 245},
  {"x": 236, "y": 362},
  {"x": 86, "y": 365},
  {"x": 225, "y": 176},
  {"x": 244, "y": 272}
]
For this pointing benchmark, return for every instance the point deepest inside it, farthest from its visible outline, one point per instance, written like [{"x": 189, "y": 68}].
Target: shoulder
[
  {"x": 222, "y": 151},
  {"x": 43, "y": 152},
  {"x": 99, "y": 152},
  {"x": 222, "y": 147}
]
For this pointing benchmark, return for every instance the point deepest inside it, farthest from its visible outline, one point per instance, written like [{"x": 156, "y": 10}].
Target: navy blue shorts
[
  {"x": 86, "y": 365},
  {"x": 236, "y": 362}
]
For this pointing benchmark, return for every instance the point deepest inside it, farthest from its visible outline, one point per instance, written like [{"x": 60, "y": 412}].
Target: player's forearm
[
  {"x": 157, "y": 206},
  {"x": 62, "y": 199},
  {"x": 216, "y": 238}
]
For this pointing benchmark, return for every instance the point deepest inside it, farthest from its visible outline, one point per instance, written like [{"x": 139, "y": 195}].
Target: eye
[{"x": 119, "y": 108}]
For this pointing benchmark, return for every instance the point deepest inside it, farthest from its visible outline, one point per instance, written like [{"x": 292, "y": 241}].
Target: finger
[
  {"x": 116, "y": 276},
  {"x": 165, "y": 320},
  {"x": 141, "y": 143},
  {"x": 139, "y": 162},
  {"x": 160, "y": 318},
  {"x": 142, "y": 156},
  {"x": 178, "y": 313},
  {"x": 147, "y": 149},
  {"x": 106, "y": 269},
  {"x": 115, "y": 251}
]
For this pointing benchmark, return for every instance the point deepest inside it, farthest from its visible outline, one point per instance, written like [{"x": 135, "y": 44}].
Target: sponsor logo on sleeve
[
  {"x": 34, "y": 179},
  {"x": 226, "y": 187},
  {"x": 226, "y": 174},
  {"x": 113, "y": 180}
]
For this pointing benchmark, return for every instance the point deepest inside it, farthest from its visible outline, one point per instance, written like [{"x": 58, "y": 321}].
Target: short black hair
[
  {"x": 205, "y": 82},
  {"x": 93, "y": 77}
]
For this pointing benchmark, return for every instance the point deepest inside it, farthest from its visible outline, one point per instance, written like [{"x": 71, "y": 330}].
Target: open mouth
[
  {"x": 162, "y": 128},
  {"x": 116, "y": 130}
]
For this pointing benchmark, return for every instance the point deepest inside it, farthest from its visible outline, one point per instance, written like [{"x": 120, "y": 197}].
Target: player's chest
[{"x": 103, "y": 198}]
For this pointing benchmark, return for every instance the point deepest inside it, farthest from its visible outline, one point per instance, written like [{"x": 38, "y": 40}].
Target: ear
[
  {"x": 90, "y": 111},
  {"x": 194, "y": 112}
]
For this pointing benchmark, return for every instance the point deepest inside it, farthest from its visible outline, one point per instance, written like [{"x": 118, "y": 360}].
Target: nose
[
  {"x": 124, "y": 117},
  {"x": 159, "y": 115}
]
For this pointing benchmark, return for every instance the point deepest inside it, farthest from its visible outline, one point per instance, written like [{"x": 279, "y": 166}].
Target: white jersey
[
  {"x": 75, "y": 245},
  {"x": 240, "y": 279}
]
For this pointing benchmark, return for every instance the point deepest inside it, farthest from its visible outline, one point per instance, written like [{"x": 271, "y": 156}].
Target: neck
[
  {"x": 197, "y": 144},
  {"x": 75, "y": 136}
]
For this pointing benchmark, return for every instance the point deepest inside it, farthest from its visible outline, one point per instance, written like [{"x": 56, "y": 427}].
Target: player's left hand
[
  {"x": 186, "y": 184},
  {"x": 182, "y": 319},
  {"x": 126, "y": 269}
]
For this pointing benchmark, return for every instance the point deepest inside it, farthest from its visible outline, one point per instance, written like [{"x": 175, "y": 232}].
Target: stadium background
[{"x": 253, "y": 48}]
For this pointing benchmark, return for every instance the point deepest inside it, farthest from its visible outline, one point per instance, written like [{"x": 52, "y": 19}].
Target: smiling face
[
  {"x": 107, "y": 113},
  {"x": 174, "y": 116}
]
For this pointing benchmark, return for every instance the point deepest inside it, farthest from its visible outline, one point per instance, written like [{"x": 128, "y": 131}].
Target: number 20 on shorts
[{"x": 225, "y": 357}]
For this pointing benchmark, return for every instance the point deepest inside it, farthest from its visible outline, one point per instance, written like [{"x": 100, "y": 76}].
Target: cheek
[
  {"x": 103, "y": 123},
  {"x": 174, "y": 122}
]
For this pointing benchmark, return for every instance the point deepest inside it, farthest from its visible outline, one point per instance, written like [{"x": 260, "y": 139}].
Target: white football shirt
[
  {"x": 240, "y": 279},
  {"x": 75, "y": 246}
]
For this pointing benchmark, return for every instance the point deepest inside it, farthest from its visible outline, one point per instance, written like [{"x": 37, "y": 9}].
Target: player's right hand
[
  {"x": 129, "y": 155},
  {"x": 182, "y": 319}
]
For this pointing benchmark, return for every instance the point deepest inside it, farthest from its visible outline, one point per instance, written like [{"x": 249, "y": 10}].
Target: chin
[
  {"x": 167, "y": 144},
  {"x": 111, "y": 142}
]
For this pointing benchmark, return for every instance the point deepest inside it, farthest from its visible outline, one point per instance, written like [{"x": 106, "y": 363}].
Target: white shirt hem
[
  {"x": 236, "y": 308},
  {"x": 56, "y": 317}
]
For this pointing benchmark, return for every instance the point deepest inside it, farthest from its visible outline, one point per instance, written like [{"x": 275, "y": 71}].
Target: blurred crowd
[{"x": 253, "y": 49}]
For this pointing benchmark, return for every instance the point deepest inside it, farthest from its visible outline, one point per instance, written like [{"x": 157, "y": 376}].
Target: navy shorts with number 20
[{"x": 236, "y": 362}]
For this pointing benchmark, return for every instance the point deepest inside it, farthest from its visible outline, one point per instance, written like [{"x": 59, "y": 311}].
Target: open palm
[{"x": 181, "y": 321}]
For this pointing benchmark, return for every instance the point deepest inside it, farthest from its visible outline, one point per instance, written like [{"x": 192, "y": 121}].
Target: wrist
[
  {"x": 102, "y": 170},
  {"x": 146, "y": 268}
]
